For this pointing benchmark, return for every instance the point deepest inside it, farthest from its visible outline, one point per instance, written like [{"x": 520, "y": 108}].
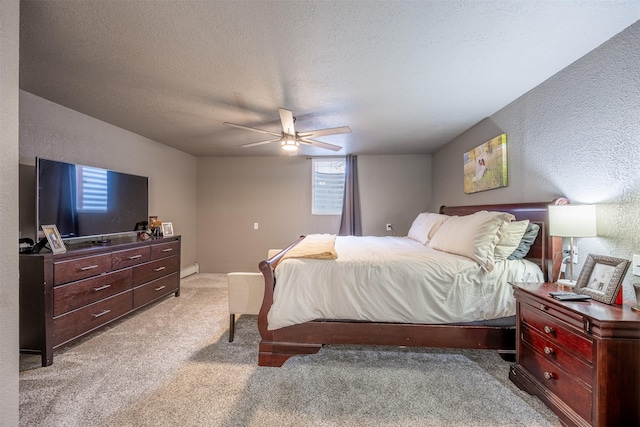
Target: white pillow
[
  {"x": 425, "y": 226},
  {"x": 473, "y": 236},
  {"x": 510, "y": 239}
]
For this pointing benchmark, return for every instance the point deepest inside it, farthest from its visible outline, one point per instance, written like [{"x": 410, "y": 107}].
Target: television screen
[{"x": 84, "y": 201}]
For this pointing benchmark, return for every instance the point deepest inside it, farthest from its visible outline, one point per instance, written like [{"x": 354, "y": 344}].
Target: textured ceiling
[{"x": 406, "y": 76}]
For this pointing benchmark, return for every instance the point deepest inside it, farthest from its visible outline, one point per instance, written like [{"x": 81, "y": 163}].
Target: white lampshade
[{"x": 572, "y": 220}]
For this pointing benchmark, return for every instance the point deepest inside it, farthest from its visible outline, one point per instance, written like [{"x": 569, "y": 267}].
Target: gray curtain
[{"x": 351, "y": 223}]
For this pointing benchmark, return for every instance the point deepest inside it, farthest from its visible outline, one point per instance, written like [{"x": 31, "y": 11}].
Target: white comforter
[{"x": 394, "y": 279}]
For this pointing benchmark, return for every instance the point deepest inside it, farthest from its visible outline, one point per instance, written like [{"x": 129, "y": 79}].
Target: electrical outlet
[
  {"x": 567, "y": 251},
  {"x": 389, "y": 227},
  {"x": 636, "y": 265}
]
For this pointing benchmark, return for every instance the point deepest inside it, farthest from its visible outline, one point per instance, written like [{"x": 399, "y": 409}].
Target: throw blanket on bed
[{"x": 314, "y": 246}]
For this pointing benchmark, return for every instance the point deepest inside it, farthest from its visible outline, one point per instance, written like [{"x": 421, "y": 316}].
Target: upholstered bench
[{"x": 246, "y": 291}]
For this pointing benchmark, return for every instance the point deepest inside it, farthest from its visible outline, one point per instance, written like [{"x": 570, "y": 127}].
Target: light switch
[
  {"x": 255, "y": 225},
  {"x": 636, "y": 265}
]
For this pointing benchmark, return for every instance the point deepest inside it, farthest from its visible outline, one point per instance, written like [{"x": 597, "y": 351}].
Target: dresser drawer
[
  {"x": 163, "y": 250},
  {"x": 552, "y": 351},
  {"x": 123, "y": 259},
  {"x": 78, "y": 322},
  {"x": 553, "y": 329},
  {"x": 154, "y": 270},
  {"x": 77, "y": 294},
  {"x": 559, "y": 382},
  {"x": 155, "y": 289},
  {"x": 80, "y": 268}
]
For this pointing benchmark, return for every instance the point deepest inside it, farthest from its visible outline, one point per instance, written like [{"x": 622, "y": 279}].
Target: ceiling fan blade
[
  {"x": 323, "y": 132},
  {"x": 253, "y": 144},
  {"x": 319, "y": 144},
  {"x": 286, "y": 117},
  {"x": 252, "y": 129}
]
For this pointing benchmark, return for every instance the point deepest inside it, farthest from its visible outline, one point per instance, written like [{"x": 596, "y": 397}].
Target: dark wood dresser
[
  {"x": 582, "y": 359},
  {"x": 66, "y": 296}
]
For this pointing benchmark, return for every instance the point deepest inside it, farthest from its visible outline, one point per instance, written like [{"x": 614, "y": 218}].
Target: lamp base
[{"x": 564, "y": 284}]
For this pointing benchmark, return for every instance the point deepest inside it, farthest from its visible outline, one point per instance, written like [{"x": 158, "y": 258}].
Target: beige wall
[
  {"x": 235, "y": 192},
  {"x": 577, "y": 135},
  {"x": 58, "y": 133},
  {"x": 9, "y": 37}
]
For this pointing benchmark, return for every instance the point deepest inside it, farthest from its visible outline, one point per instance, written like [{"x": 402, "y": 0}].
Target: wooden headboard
[{"x": 544, "y": 250}]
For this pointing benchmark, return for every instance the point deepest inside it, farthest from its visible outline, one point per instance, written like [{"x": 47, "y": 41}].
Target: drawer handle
[
  {"x": 135, "y": 257},
  {"x": 167, "y": 250},
  {"x": 89, "y": 267},
  {"x": 101, "y": 288},
  {"x": 550, "y": 375},
  {"x": 548, "y": 350},
  {"x": 543, "y": 307},
  {"x": 159, "y": 268},
  {"x": 160, "y": 288},
  {"x": 102, "y": 313},
  {"x": 548, "y": 329}
]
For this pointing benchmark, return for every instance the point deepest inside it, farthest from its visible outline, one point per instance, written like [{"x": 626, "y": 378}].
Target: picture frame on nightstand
[{"x": 601, "y": 277}]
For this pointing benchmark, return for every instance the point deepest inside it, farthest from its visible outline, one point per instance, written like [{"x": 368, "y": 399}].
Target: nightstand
[{"x": 582, "y": 359}]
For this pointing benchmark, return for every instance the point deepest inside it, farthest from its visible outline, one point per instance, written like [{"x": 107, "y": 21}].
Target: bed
[{"x": 306, "y": 335}]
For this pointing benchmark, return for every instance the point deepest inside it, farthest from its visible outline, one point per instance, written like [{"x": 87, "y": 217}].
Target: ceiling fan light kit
[
  {"x": 289, "y": 144},
  {"x": 289, "y": 139}
]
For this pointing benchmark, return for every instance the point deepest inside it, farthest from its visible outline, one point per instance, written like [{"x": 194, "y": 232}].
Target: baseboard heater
[{"x": 189, "y": 270}]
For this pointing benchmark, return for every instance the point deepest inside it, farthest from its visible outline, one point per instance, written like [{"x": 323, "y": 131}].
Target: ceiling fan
[{"x": 289, "y": 139}]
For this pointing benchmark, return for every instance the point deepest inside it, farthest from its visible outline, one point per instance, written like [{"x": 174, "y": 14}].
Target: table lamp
[{"x": 572, "y": 221}]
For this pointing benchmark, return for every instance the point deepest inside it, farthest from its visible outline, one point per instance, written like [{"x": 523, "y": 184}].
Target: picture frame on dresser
[
  {"x": 53, "y": 237},
  {"x": 167, "y": 229},
  {"x": 601, "y": 277}
]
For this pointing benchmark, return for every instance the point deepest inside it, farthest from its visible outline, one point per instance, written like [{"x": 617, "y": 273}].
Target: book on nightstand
[{"x": 569, "y": 296}]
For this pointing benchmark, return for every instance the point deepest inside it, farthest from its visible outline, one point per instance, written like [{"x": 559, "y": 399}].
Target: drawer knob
[
  {"x": 548, "y": 329},
  {"x": 159, "y": 268},
  {"x": 549, "y": 375},
  {"x": 89, "y": 267},
  {"x": 548, "y": 350},
  {"x": 101, "y": 288},
  {"x": 159, "y": 288},
  {"x": 543, "y": 307}
]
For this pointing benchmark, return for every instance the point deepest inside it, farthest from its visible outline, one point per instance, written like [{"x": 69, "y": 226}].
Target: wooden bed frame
[{"x": 307, "y": 338}]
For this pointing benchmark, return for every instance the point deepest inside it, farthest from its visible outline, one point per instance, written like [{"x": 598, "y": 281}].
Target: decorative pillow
[
  {"x": 525, "y": 243},
  {"x": 473, "y": 236},
  {"x": 510, "y": 239},
  {"x": 425, "y": 226}
]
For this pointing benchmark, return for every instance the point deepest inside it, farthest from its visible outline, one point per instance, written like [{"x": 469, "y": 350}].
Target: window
[
  {"x": 328, "y": 186},
  {"x": 92, "y": 189}
]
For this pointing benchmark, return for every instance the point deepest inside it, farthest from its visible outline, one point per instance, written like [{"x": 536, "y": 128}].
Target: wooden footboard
[{"x": 307, "y": 338}]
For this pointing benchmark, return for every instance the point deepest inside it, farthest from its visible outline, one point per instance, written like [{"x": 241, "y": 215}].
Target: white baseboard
[{"x": 189, "y": 270}]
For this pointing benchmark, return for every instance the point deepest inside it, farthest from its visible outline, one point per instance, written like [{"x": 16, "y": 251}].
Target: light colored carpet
[{"x": 172, "y": 365}]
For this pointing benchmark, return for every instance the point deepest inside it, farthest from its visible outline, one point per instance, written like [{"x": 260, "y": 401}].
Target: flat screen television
[{"x": 85, "y": 201}]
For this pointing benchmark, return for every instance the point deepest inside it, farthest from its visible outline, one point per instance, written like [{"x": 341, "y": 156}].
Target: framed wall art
[
  {"x": 601, "y": 277},
  {"x": 485, "y": 167}
]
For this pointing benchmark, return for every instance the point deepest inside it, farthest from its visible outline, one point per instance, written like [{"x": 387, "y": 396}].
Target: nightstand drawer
[
  {"x": 553, "y": 329},
  {"x": 78, "y": 294},
  {"x": 552, "y": 351},
  {"x": 557, "y": 381}
]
